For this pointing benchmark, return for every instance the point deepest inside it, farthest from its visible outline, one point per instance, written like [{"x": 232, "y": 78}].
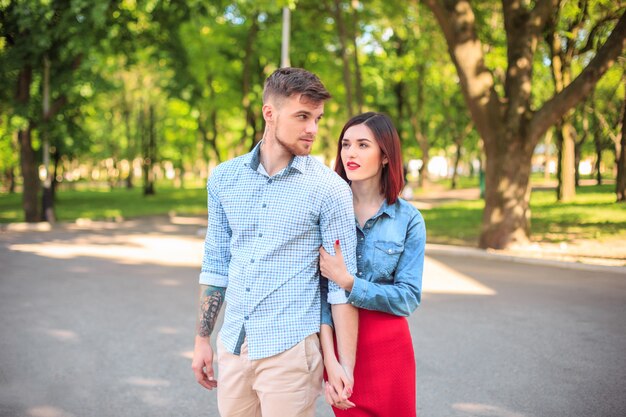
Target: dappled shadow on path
[{"x": 99, "y": 321}]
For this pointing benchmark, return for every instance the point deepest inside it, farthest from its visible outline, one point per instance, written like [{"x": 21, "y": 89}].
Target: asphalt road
[{"x": 97, "y": 320}]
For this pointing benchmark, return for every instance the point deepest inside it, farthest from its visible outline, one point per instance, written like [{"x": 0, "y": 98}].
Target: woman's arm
[
  {"x": 340, "y": 380},
  {"x": 403, "y": 295}
]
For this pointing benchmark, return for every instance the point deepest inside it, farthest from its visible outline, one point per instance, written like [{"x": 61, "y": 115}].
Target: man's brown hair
[{"x": 284, "y": 82}]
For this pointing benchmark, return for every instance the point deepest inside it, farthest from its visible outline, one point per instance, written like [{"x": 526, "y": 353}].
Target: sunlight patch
[
  {"x": 63, "y": 335},
  {"x": 136, "y": 249},
  {"x": 484, "y": 410},
  {"x": 147, "y": 382},
  {"x": 47, "y": 411},
  {"x": 441, "y": 279}
]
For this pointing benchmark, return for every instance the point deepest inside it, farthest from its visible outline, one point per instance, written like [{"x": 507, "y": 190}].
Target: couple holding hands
[{"x": 318, "y": 269}]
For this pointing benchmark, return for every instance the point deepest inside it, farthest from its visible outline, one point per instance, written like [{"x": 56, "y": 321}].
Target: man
[{"x": 269, "y": 212}]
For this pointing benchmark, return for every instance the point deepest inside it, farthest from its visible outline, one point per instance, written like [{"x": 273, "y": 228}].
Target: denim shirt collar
[
  {"x": 388, "y": 209},
  {"x": 254, "y": 159}
]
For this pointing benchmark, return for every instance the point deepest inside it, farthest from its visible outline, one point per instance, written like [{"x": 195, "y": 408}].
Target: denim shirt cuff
[
  {"x": 215, "y": 280},
  {"x": 359, "y": 290},
  {"x": 337, "y": 297}
]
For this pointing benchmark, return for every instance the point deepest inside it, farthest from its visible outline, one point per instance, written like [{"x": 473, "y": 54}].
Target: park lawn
[
  {"x": 593, "y": 215},
  {"x": 117, "y": 203}
]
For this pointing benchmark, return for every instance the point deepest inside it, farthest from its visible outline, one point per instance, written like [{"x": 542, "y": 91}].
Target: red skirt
[{"x": 384, "y": 373}]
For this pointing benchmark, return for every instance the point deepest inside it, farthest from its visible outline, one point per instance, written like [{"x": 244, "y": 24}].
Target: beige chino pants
[{"x": 284, "y": 385}]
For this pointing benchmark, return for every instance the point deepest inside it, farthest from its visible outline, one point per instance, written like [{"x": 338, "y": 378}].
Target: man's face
[{"x": 295, "y": 123}]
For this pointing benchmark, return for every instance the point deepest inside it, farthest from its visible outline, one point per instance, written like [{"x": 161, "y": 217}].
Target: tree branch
[
  {"x": 593, "y": 32},
  {"x": 573, "y": 94},
  {"x": 457, "y": 21}
]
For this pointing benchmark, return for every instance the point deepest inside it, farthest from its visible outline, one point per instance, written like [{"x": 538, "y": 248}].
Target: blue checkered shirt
[{"x": 262, "y": 244}]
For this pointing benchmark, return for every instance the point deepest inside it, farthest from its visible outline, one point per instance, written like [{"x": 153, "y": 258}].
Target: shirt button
[
  {"x": 360, "y": 256},
  {"x": 264, "y": 205},
  {"x": 247, "y": 289},
  {"x": 389, "y": 251},
  {"x": 260, "y": 234},
  {"x": 251, "y": 261},
  {"x": 270, "y": 181},
  {"x": 360, "y": 273},
  {"x": 246, "y": 318},
  {"x": 361, "y": 238}
]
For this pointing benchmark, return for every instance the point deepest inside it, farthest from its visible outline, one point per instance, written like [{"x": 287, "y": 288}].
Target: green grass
[
  {"x": 455, "y": 223},
  {"x": 593, "y": 215},
  {"x": 104, "y": 204}
]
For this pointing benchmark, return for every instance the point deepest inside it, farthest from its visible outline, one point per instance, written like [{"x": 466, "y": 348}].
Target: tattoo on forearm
[{"x": 210, "y": 304}]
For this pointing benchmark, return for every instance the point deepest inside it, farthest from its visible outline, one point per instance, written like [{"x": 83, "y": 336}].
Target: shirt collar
[
  {"x": 388, "y": 209},
  {"x": 298, "y": 163}
]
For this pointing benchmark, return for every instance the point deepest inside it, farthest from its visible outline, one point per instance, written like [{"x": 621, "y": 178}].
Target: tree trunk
[
  {"x": 31, "y": 176},
  {"x": 506, "y": 218},
  {"x": 620, "y": 183},
  {"x": 47, "y": 197},
  {"x": 358, "y": 82},
  {"x": 458, "y": 142},
  {"x": 455, "y": 170},
  {"x": 567, "y": 185},
  {"x": 130, "y": 149},
  {"x": 56, "y": 158},
  {"x": 578, "y": 145},
  {"x": 9, "y": 174},
  {"x": 246, "y": 87},
  {"x": 148, "y": 173},
  {"x": 343, "y": 52},
  {"x": 417, "y": 124},
  {"x": 547, "y": 141},
  {"x": 28, "y": 163}
]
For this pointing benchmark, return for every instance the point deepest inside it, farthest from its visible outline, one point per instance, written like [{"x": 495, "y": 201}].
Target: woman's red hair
[{"x": 386, "y": 135}]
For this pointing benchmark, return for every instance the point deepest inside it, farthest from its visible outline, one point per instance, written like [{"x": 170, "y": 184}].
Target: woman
[{"x": 387, "y": 287}]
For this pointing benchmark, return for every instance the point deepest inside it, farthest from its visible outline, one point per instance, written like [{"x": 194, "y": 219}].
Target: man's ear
[{"x": 269, "y": 113}]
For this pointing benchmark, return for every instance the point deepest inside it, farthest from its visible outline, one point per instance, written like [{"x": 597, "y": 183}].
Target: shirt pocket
[{"x": 386, "y": 256}]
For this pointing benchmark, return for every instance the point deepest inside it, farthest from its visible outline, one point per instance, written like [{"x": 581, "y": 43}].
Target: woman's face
[{"x": 361, "y": 155}]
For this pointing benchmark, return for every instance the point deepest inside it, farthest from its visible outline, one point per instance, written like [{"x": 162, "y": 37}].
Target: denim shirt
[{"x": 390, "y": 262}]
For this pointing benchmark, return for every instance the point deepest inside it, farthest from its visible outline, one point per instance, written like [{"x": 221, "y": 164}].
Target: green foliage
[{"x": 113, "y": 60}]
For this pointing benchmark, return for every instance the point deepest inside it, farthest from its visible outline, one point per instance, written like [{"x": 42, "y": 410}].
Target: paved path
[{"x": 97, "y": 320}]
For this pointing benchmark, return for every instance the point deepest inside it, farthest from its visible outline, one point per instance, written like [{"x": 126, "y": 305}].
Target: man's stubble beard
[{"x": 294, "y": 149}]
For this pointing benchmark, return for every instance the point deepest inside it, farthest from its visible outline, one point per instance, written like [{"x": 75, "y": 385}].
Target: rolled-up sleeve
[
  {"x": 337, "y": 223},
  {"x": 217, "y": 242}
]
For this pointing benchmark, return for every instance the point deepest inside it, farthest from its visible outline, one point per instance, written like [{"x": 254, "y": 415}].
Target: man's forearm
[
  {"x": 346, "y": 320},
  {"x": 211, "y": 300}
]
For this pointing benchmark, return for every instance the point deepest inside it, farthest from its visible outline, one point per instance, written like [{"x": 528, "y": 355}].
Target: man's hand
[
  {"x": 339, "y": 385},
  {"x": 202, "y": 363},
  {"x": 334, "y": 268}
]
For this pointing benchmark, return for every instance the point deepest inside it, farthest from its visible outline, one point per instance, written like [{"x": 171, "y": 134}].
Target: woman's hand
[
  {"x": 334, "y": 268},
  {"x": 339, "y": 386}
]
